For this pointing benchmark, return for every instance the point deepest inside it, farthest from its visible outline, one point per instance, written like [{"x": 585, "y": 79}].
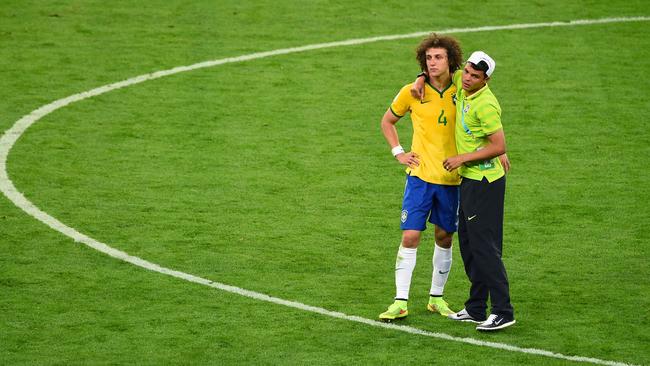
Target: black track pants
[{"x": 480, "y": 235}]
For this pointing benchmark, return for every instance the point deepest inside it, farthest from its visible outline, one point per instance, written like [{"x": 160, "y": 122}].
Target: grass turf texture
[{"x": 272, "y": 175}]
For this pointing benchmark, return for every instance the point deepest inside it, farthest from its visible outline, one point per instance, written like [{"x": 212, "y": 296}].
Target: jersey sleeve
[
  {"x": 489, "y": 116},
  {"x": 402, "y": 102}
]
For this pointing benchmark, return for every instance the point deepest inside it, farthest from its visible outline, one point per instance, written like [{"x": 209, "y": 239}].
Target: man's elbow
[{"x": 498, "y": 141}]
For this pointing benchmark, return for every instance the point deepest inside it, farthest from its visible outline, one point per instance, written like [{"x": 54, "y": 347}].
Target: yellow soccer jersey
[{"x": 434, "y": 122}]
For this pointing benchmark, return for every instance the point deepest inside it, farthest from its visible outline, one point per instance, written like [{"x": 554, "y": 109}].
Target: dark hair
[
  {"x": 481, "y": 66},
  {"x": 454, "y": 53}
]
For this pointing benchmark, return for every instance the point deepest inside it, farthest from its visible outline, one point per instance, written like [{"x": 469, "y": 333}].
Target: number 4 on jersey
[{"x": 442, "y": 119}]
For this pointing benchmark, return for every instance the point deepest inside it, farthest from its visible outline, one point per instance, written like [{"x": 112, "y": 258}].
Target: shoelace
[{"x": 490, "y": 319}]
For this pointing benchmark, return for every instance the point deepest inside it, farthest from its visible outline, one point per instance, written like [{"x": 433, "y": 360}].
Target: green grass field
[{"x": 272, "y": 175}]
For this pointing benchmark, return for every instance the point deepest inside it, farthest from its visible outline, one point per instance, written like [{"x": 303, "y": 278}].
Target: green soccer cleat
[
  {"x": 439, "y": 305},
  {"x": 397, "y": 310}
]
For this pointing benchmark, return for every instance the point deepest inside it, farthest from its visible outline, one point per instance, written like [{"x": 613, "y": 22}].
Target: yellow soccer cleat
[
  {"x": 439, "y": 305},
  {"x": 397, "y": 310}
]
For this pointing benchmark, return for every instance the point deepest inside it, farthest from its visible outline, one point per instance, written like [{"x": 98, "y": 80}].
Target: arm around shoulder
[{"x": 417, "y": 89}]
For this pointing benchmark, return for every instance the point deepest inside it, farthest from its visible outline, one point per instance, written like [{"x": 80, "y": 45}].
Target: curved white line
[{"x": 10, "y": 137}]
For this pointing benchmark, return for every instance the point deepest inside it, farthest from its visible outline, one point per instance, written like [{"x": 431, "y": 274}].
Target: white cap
[{"x": 479, "y": 56}]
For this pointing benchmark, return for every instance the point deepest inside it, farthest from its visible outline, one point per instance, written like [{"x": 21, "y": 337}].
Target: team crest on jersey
[{"x": 405, "y": 215}]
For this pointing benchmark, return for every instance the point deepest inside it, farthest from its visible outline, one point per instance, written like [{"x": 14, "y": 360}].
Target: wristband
[
  {"x": 426, "y": 77},
  {"x": 397, "y": 150}
]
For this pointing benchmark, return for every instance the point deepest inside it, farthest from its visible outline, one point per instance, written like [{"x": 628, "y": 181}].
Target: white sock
[
  {"x": 441, "y": 267},
  {"x": 404, "y": 266}
]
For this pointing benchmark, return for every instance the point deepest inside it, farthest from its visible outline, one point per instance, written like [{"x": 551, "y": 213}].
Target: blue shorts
[{"x": 436, "y": 202}]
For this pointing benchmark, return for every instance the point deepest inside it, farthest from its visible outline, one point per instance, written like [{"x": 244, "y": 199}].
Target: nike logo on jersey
[
  {"x": 470, "y": 218},
  {"x": 424, "y": 101}
]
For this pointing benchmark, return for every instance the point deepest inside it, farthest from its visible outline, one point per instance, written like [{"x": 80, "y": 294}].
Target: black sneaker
[
  {"x": 495, "y": 322},
  {"x": 463, "y": 316}
]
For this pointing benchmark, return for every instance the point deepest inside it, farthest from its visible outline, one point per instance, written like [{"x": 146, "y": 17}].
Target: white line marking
[{"x": 10, "y": 137}]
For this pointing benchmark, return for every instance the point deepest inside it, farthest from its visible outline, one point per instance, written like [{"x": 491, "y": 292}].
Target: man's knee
[
  {"x": 411, "y": 238},
  {"x": 443, "y": 238}
]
